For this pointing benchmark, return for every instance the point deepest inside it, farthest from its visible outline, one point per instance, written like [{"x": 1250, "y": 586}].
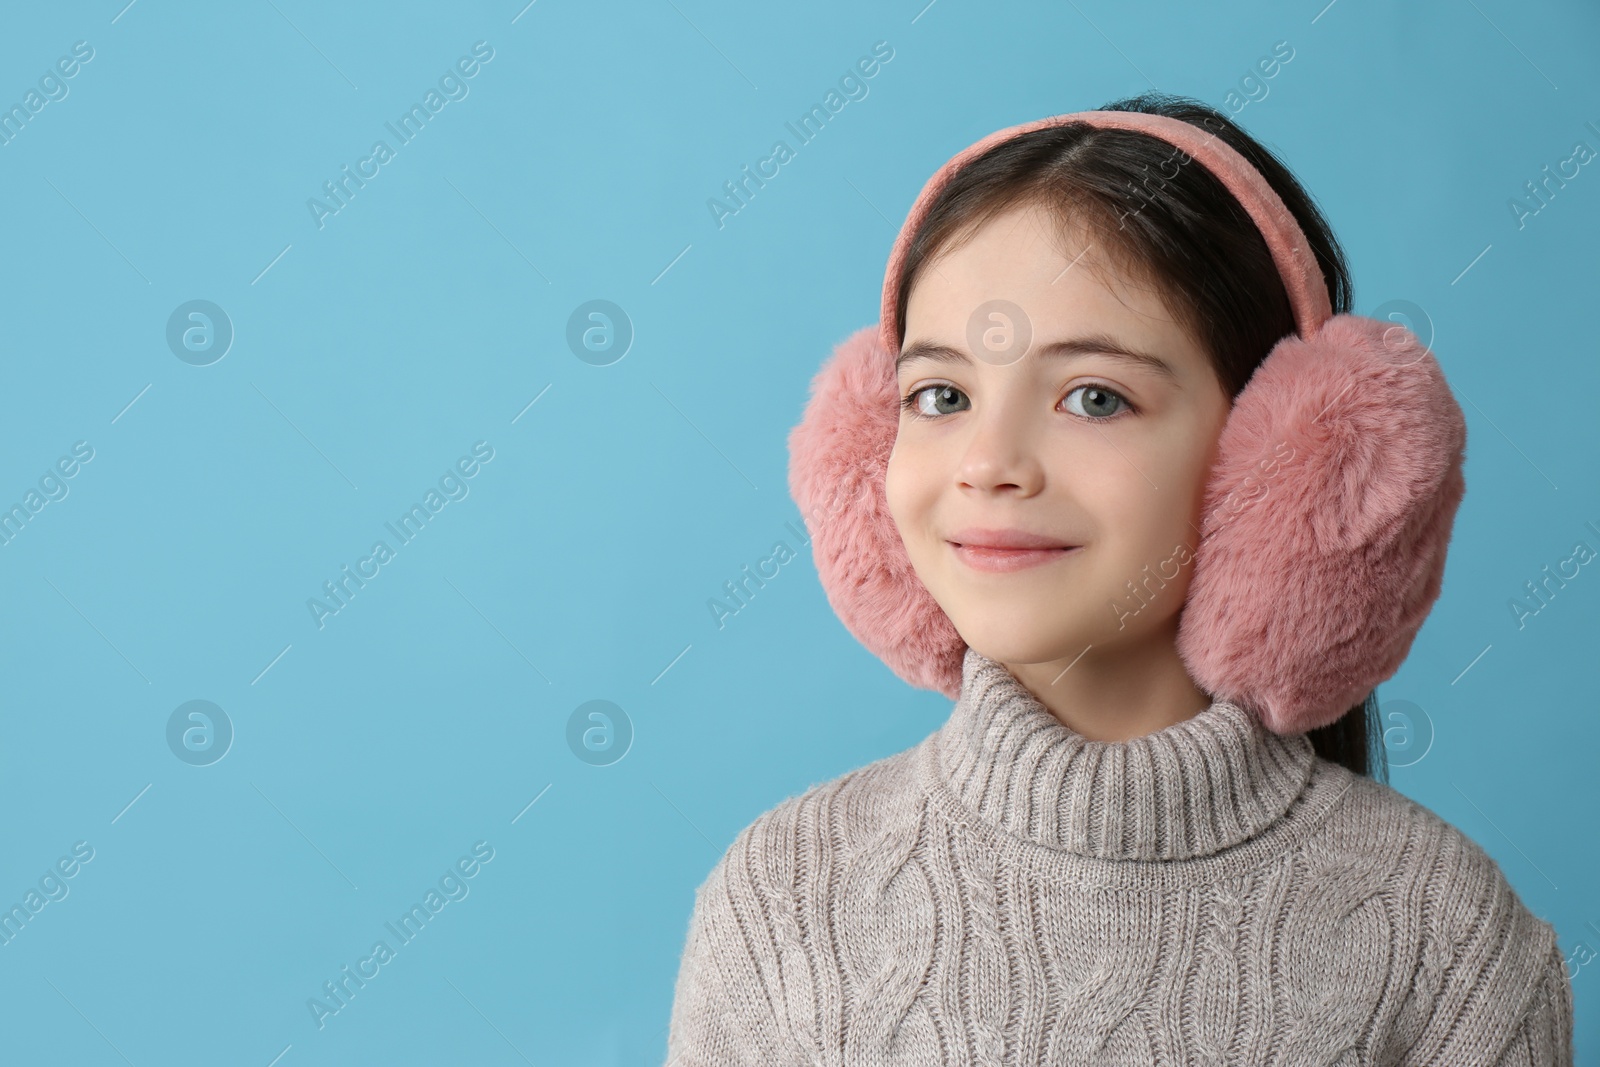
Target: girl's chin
[{"x": 1025, "y": 638}]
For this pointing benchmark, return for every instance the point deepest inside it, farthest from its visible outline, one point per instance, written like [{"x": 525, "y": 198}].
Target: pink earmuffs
[{"x": 1326, "y": 516}]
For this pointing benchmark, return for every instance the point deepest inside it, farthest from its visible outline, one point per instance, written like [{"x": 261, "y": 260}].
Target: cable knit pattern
[
  {"x": 1009, "y": 892},
  {"x": 987, "y": 987},
  {"x": 1216, "y": 994},
  {"x": 887, "y": 930},
  {"x": 794, "y": 969}
]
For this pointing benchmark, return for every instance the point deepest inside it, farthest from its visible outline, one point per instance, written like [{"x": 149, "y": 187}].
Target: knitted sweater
[{"x": 1010, "y": 892}]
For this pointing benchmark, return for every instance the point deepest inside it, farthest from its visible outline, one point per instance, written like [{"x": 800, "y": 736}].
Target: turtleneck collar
[{"x": 1191, "y": 789}]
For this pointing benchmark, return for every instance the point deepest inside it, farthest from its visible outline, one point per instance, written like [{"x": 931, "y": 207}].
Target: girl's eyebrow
[{"x": 1091, "y": 344}]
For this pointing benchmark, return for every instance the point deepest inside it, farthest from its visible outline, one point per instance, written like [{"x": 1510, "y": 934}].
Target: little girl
[{"x": 1160, "y": 574}]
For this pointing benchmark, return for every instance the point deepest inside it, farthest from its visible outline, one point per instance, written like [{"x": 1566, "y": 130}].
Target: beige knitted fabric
[{"x": 1009, "y": 892}]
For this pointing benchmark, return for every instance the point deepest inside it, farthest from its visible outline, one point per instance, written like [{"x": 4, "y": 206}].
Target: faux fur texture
[
  {"x": 1324, "y": 526},
  {"x": 838, "y": 455},
  {"x": 1326, "y": 521}
]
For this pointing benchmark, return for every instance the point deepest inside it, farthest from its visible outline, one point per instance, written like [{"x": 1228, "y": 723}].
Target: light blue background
[{"x": 432, "y": 310}]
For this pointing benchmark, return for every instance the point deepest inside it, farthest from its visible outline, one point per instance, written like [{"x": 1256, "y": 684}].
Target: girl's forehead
[
  {"x": 1032, "y": 246},
  {"x": 1026, "y": 261},
  {"x": 1026, "y": 274}
]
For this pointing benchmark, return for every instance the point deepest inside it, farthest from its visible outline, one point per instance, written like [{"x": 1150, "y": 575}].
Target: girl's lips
[{"x": 1000, "y": 560}]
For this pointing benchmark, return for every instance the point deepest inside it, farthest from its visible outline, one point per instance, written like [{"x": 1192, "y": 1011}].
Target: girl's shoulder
[
  {"x": 1479, "y": 958},
  {"x": 1415, "y": 842},
  {"x": 1419, "y": 855},
  {"x": 808, "y": 830}
]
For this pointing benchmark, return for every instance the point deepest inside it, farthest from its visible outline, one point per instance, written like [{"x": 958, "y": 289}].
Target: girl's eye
[
  {"x": 917, "y": 410},
  {"x": 1097, "y": 398}
]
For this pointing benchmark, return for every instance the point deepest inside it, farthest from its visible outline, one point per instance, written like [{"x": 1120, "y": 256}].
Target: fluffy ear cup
[
  {"x": 1325, "y": 525},
  {"x": 838, "y": 456}
]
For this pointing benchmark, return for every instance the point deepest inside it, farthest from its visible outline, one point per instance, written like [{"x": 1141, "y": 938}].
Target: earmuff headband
[{"x": 1297, "y": 264}]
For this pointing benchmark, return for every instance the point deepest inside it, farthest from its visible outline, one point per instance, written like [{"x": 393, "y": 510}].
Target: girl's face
[{"x": 1097, "y": 450}]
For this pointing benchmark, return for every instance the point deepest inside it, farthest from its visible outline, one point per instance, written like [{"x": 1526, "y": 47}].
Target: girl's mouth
[{"x": 1000, "y": 560}]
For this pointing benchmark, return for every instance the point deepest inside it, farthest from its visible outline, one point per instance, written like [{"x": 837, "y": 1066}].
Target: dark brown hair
[{"x": 1176, "y": 226}]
